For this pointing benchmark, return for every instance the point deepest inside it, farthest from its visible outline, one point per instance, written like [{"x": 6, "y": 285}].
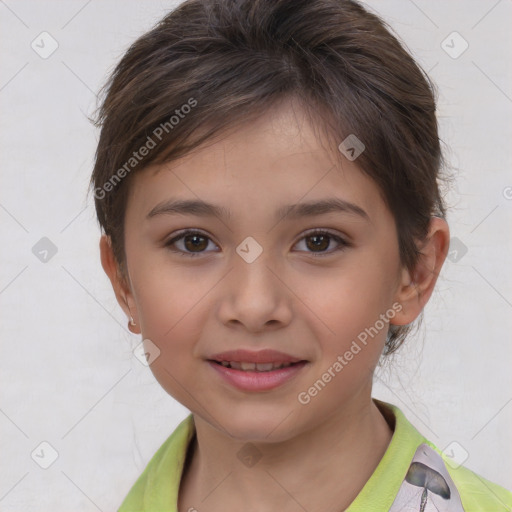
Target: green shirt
[{"x": 413, "y": 475}]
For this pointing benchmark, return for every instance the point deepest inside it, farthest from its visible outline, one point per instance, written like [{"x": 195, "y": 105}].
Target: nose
[{"x": 253, "y": 295}]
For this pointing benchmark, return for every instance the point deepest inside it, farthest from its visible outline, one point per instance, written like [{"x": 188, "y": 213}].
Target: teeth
[
  {"x": 260, "y": 367},
  {"x": 264, "y": 367}
]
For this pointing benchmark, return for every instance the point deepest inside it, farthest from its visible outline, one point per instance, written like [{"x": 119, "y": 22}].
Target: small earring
[{"x": 132, "y": 321}]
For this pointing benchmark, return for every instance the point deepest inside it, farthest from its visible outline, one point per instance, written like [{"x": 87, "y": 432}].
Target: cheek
[
  {"x": 166, "y": 293},
  {"x": 350, "y": 297},
  {"x": 346, "y": 311},
  {"x": 172, "y": 303},
  {"x": 170, "y": 308},
  {"x": 350, "y": 335},
  {"x": 171, "y": 322}
]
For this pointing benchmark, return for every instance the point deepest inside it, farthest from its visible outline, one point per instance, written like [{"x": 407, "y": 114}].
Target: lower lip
[{"x": 257, "y": 381}]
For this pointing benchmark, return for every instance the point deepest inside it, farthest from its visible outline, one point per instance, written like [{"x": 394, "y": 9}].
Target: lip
[
  {"x": 261, "y": 356},
  {"x": 257, "y": 381}
]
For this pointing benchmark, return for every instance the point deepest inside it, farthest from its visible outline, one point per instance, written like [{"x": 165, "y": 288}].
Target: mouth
[
  {"x": 256, "y": 371},
  {"x": 255, "y": 367},
  {"x": 252, "y": 377}
]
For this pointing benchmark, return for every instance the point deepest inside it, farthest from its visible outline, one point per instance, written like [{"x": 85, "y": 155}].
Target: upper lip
[{"x": 261, "y": 356}]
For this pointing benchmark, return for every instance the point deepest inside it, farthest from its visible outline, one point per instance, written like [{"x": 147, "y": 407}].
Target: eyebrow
[{"x": 300, "y": 210}]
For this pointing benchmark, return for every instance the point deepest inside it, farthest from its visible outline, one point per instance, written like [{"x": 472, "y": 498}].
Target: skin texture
[{"x": 317, "y": 456}]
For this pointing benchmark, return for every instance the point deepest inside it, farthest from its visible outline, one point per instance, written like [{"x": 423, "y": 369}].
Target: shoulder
[
  {"x": 477, "y": 493},
  {"x": 158, "y": 484},
  {"x": 430, "y": 479}
]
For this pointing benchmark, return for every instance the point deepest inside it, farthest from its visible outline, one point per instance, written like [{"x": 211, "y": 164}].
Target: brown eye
[
  {"x": 320, "y": 242},
  {"x": 317, "y": 243},
  {"x": 193, "y": 243}
]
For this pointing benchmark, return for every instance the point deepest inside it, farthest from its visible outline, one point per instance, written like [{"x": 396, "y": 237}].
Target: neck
[{"x": 320, "y": 469}]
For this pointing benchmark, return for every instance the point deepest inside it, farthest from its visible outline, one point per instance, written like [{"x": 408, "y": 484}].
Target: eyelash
[{"x": 343, "y": 244}]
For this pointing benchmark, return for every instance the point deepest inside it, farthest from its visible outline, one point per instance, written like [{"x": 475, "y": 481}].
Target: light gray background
[{"x": 68, "y": 375}]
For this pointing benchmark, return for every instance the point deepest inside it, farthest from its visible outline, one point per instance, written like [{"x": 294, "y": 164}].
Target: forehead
[{"x": 278, "y": 159}]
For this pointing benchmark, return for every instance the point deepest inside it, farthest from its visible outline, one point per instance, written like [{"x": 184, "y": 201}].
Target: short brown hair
[{"x": 227, "y": 60}]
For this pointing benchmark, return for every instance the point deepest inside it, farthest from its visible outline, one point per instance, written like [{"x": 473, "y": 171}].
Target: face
[{"x": 307, "y": 282}]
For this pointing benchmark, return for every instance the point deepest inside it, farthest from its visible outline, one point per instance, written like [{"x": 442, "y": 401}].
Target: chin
[{"x": 265, "y": 424}]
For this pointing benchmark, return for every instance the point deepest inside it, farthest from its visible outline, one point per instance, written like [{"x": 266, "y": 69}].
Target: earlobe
[
  {"x": 416, "y": 286},
  {"x": 121, "y": 288}
]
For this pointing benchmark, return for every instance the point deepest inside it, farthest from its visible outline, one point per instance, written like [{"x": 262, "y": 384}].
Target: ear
[
  {"x": 121, "y": 288},
  {"x": 416, "y": 287}
]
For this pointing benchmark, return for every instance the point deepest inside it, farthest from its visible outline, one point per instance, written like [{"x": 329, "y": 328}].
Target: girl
[{"x": 267, "y": 182}]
